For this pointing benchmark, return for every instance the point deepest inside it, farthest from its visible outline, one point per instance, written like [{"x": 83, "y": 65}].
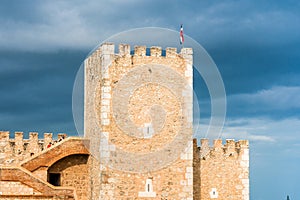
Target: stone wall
[
  {"x": 28, "y": 179},
  {"x": 34, "y": 197},
  {"x": 196, "y": 171},
  {"x": 14, "y": 174},
  {"x": 92, "y": 70},
  {"x": 74, "y": 172},
  {"x": 15, "y": 188},
  {"x": 16, "y": 149},
  {"x": 224, "y": 170}
]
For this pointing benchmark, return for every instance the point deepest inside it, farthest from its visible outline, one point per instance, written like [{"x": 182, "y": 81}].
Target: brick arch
[{"x": 48, "y": 157}]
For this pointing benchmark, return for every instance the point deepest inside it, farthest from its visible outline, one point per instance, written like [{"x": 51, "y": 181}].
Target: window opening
[{"x": 54, "y": 179}]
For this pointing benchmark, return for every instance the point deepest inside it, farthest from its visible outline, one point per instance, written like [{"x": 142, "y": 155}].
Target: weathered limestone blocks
[
  {"x": 140, "y": 50},
  {"x": 14, "y": 150},
  {"x": 155, "y": 51},
  {"x": 224, "y": 163},
  {"x": 16, "y": 188},
  {"x": 124, "y": 49},
  {"x": 171, "y": 52}
]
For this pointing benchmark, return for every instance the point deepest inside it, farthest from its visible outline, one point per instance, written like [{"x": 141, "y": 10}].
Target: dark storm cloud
[
  {"x": 38, "y": 89},
  {"x": 83, "y": 24},
  {"x": 247, "y": 69},
  {"x": 25, "y": 12}
]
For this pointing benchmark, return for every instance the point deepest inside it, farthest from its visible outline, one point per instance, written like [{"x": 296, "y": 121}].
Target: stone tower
[
  {"x": 138, "y": 139},
  {"x": 138, "y": 115}
]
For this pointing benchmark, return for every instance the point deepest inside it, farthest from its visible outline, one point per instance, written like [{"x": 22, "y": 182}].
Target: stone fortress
[{"x": 137, "y": 140}]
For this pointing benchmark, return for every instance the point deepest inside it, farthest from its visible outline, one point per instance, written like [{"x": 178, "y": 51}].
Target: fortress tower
[
  {"x": 138, "y": 144},
  {"x": 138, "y": 117}
]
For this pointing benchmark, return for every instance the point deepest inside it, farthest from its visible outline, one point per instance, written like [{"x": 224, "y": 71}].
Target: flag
[{"x": 181, "y": 35}]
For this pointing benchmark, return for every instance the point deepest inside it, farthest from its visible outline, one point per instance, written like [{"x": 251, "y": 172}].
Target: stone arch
[
  {"x": 72, "y": 171},
  {"x": 50, "y": 156}
]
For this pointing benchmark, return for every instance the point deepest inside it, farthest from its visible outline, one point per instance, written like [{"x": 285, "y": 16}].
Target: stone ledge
[{"x": 147, "y": 194}]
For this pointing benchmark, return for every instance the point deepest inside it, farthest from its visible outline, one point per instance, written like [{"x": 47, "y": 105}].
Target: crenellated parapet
[
  {"x": 17, "y": 148},
  {"x": 107, "y": 52},
  {"x": 154, "y": 51},
  {"x": 231, "y": 148}
]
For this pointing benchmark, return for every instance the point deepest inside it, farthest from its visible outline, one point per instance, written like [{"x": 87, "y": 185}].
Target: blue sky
[{"x": 255, "y": 44}]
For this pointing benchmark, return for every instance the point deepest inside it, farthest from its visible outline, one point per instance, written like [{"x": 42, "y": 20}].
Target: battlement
[
  {"x": 230, "y": 143},
  {"x": 154, "y": 51},
  {"x": 17, "y": 148},
  {"x": 231, "y": 148},
  {"x": 33, "y": 136}
]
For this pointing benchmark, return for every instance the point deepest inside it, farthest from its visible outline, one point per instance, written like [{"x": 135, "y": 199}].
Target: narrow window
[{"x": 148, "y": 186}]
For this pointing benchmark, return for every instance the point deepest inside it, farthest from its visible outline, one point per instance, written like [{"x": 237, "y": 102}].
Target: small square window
[{"x": 54, "y": 179}]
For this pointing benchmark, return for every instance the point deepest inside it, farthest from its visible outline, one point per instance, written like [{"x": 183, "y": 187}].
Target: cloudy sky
[{"x": 255, "y": 44}]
